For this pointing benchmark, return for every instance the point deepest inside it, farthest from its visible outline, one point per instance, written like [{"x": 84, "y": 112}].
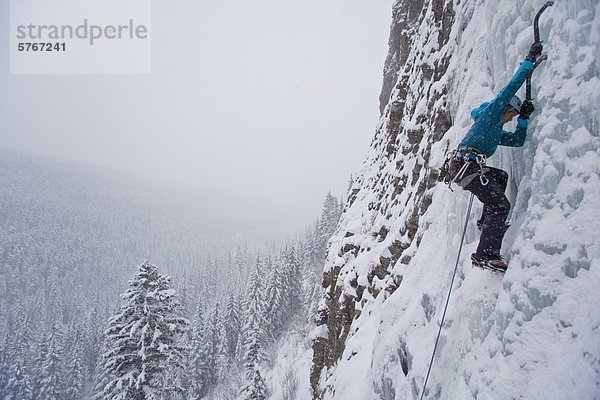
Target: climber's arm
[
  {"x": 501, "y": 101},
  {"x": 516, "y": 138}
]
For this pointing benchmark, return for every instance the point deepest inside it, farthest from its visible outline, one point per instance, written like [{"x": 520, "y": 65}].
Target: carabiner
[{"x": 484, "y": 180}]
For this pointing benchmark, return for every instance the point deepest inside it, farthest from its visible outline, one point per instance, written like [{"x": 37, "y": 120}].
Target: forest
[{"x": 74, "y": 279}]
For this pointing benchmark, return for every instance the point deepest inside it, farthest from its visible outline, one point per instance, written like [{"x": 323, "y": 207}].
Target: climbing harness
[
  {"x": 462, "y": 240},
  {"x": 457, "y": 163}
]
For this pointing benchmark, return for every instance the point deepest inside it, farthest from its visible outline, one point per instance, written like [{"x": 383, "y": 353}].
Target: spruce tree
[
  {"x": 253, "y": 316},
  {"x": 312, "y": 295},
  {"x": 330, "y": 216},
  {"x": 294, "y": 288},
  {"x": 196, "y": 379},
  {"x": 142, "y": 341},
  {"x": 92, "y": 341},
  {"x": 50, "y": 385},
  {"x": 232, "y": 324},
  {"x": 255, "y": 387},
  {"x": 275, "y": 312},
  {"x": 18, "y": 380},
  {"x": 214, "y": 349},
  {"x": 253, "y": 334},
  {"x": 315, "y": 256},
  {"x": 15, "y": 354},
  {"x": 199, "y": 380},
  {"x": 197, "y": 325},
  {"x": 75, "y": 376},
  {"x": 19, "y": 385}
]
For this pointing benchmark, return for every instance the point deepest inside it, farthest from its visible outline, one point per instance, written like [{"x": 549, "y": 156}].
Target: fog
[{"x": 262, "y": 106}]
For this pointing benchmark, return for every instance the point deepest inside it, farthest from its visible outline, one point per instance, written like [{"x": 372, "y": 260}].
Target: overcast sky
[{"x": 267, "y": 101}]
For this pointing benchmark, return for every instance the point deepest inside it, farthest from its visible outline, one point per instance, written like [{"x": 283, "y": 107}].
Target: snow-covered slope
[
  {"x": 531, "y": 334},
  {"x": 78, "y": 230}
]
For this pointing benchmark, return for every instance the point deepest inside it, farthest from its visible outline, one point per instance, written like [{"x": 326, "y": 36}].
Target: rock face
[
  {"x": 391, "y": 260},
  {"x": 414, "y": 117}
]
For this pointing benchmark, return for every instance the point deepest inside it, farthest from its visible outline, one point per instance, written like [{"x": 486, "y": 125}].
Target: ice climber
[{"x": 466, "y": 164}]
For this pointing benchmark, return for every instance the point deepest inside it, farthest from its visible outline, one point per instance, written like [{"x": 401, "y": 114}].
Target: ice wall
[{"x": 531, "y": 334}]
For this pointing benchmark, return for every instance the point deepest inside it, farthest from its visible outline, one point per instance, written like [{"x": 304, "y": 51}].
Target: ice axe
[{"x": 536, "y": 39}]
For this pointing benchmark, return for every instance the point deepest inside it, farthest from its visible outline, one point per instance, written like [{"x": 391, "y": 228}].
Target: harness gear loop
[{"x": 460, "y": 172}]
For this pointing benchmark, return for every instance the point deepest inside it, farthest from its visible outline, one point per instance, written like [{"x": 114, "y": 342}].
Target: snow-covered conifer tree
[
  {"x": 50, "y": 385},
  {"x": 185, "y": 298},
  {"x": 330, "y": 217},
  {"x": 214, "y": 336},
  {"x": 75, "y": 371},
  {"x": 275, "y": 304},
  {"x": 18, "y": 379},
  {"x": 241, "y": 264},
  {"x": 312, "y": 294},
  {"x": 91, "y": 341},
  {"x": 255, "y": 387},
  {"x": 142, "y": 341},
  {"x": 196, "y": 367},
  {"x": 19, "y": 385},
  {"x": 197, "y": 322},
  {"x": 253, "y": 334},
  {"x": 312, "y": 251},
  {"x": 15, "y": 355},
  {"x": 75, "y": 378},
  {"x": 232, "y": 324},
  {"x": 253, "y": 315},
  {"x": 293, "y": 286}
]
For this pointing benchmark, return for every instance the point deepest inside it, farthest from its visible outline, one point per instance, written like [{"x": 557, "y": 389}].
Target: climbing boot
[{"x": 493, "y": 263}]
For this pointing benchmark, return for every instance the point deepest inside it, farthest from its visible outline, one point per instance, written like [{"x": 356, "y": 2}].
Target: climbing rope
[{"x": 462, "y": 239}]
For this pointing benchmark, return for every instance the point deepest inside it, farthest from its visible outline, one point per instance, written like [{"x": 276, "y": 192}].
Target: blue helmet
[{"x": 515, "y": 103}]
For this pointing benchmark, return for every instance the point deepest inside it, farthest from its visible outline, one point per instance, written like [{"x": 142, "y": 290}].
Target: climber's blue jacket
[{"x": 486, "y": 133}]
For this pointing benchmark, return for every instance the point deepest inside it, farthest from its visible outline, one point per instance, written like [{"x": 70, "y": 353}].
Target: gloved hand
[
  {"x": 527, "y": 109},
  {"x": 535, "y": 51}
]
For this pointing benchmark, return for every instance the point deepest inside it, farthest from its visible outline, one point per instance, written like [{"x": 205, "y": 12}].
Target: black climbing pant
[{"x": 495, "y": 210}]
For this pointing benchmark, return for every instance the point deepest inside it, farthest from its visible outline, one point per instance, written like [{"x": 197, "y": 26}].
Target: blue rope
[{"x": 449, "y": 292}]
